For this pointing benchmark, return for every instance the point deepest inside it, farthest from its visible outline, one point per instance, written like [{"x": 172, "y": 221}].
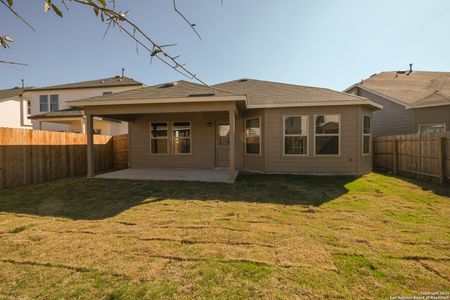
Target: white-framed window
[
  {"x": 431, "y": 128},
  {"x": 28, "y": 107},
  {"x": 54, "y": 102},
  {"x": 181, "y": 137},
  {"x": 253, "y": 136},
  {"x": 43, "y": 103},
  {"x": 366, "y": 135},
  {"x": 295, "y": 135},
  {"x": 46, "y": 106},
  {"x": 327, "y": 130},
  {"x": 159, "y": 138}
]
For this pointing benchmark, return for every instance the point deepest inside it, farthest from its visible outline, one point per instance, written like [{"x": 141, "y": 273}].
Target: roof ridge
[{"x": 293, "y": 85}]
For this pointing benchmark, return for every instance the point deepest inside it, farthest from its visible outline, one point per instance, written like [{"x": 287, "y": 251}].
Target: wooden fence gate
[
  {"x": 120, "y": 150},
  {"x": 424, "y": 155}
]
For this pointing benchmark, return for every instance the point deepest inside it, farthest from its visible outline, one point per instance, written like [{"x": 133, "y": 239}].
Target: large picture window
[
  {"x": 181, "y": 137},
  {"x": 253, "y": 136},
  {"x": 159, "y": 142},
  {"x": 366, "y": 135},
  {"x": 295, "y": 135},
  {"x": 327, "y": 134}
]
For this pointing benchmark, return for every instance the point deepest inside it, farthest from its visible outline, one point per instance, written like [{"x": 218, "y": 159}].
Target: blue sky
[{"x": 319, "y": 43}]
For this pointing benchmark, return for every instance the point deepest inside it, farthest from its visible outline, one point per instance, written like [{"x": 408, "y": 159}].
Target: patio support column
[
  {"x": 83, "y": 125},
  {"x": 90, "y": 145},
  {"x": 232, "y": 118}
]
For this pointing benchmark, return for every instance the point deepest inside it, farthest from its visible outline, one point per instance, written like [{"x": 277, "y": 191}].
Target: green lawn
[{"x": 266, "y": 236}]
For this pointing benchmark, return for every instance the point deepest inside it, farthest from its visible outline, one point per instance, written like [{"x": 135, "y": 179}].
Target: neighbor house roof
[
  {"x": 64, "y": 113},
  {"x": 412, "y": 89},
  {"x": 116, "y": 81},
  {"x": 10, "y": 93},
  {"x": 256, "y": 94}
]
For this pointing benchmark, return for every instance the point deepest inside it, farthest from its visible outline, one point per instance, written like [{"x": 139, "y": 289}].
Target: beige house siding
[
  {"x": 202, "y": 141},
  {"x": 346, "y": 162},
  {"x": 393, "y": 119},
  {"x": 271, "y": 160},
  {"x": 431, "y": 115}
]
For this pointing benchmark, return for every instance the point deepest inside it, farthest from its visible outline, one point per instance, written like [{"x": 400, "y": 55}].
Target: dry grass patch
[{"x": 263, "y": 237}]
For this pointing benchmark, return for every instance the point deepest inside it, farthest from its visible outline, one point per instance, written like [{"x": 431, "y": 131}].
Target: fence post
[
  {"x": 395, "y": 156},
  {"x": 442, "y": 159}
]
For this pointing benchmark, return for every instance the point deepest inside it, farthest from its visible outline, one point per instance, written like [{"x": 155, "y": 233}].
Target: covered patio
[
  {"x": 172, "y": 174},
  {"x": 178, "y": 131}
]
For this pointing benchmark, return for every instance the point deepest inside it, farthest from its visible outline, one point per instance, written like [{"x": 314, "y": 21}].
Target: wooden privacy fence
[
  {"x": 424, "y": 155},
  {"x": 33, "y": 156}
]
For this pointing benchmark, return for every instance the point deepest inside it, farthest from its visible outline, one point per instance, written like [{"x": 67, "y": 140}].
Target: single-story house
[
  {"x": 413, "y": 101},
  {"x": 49, "y": 109},
  {"x": 244, "y": 124}
]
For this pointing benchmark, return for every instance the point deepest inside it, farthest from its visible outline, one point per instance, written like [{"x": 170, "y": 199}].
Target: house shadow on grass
[{"x": 95, "y": 199}]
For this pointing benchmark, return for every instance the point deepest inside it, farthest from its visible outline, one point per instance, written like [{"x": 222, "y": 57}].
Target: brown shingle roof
[
  {"x": 178, "y": 89},
  {"x": 411, "y": 88},
  {"x": 262, "y": 93},
  {"x": 9, "y": 93},
  {"x": 105, "y": 82},
  {"x": 257, "y": 93}
]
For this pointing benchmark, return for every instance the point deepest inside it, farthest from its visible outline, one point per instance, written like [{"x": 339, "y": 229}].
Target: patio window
[
  {"x": 295, "y": 133},
  {"x": 327, "y": 134},
  {"x": 366, "y": 135},
  {"x": 43, "y": 103},
  {"x": 54, "y": 103},
  {"x": 159, "y": 142},
  {"x": 253, "y": 136},
  {"x": 181, "y": 137},
  {"x": 431, "y": 128}
]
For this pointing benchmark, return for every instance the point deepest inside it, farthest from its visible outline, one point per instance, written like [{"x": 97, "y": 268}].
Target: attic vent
[
  {"x": 167, "y": 85},
  {"x": 201, "y": 94},
  {"x": 243, "y": 80}
]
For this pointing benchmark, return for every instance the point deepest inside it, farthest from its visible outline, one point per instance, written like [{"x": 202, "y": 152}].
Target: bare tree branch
[
  {"x": 187, "y": 21},
  {"x": 155, "y": 50},
  {"x": 12, "y": 63},
  {"x": 17, "y": 15},
  {"x": 118, "y": 18}
]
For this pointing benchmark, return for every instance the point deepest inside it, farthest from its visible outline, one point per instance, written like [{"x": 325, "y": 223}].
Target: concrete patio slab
[{"x": 166, "y": 174}]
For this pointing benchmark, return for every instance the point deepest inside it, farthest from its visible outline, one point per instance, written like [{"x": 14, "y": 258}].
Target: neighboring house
[
  {"x": 14, "y": 109},
  {"x": 50, "y": 111},
  {"x": 413, "y": 101},
  {"x": 244, "y": 124}
]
